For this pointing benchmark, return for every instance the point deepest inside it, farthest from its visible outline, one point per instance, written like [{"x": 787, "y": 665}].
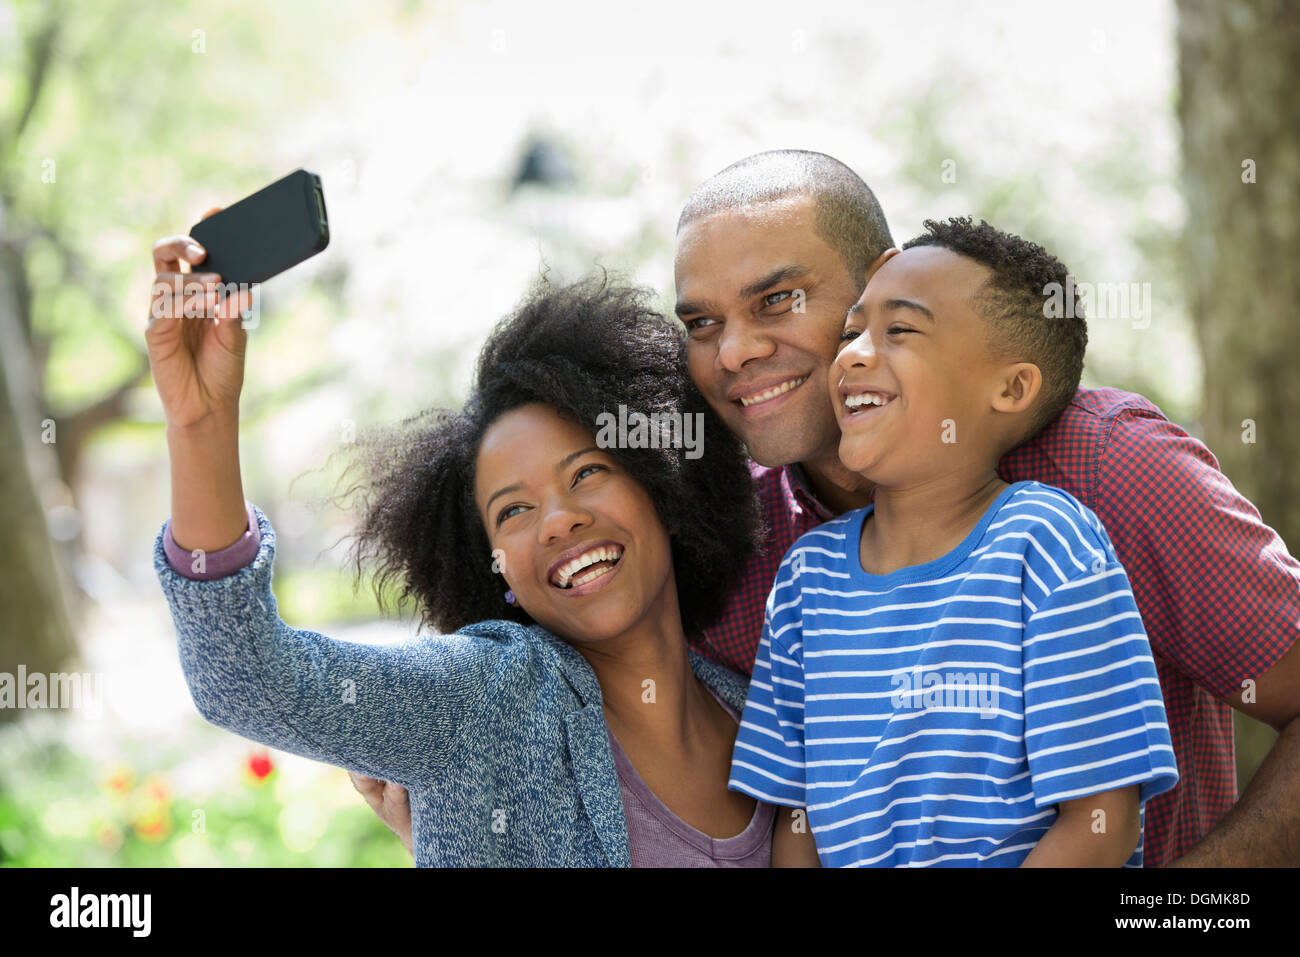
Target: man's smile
[{"x": 755, "y": 398}]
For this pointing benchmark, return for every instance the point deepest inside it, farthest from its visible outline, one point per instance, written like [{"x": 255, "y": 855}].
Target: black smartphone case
[{"x": 265, "y": 233}]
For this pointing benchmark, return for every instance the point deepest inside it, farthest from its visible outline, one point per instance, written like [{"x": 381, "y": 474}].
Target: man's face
[
  {"x": 763, "y": 298},
  {"x": 914, "y": 383}
]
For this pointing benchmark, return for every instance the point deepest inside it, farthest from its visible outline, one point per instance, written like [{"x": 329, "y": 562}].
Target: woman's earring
[{"x": 510, "y": 597}]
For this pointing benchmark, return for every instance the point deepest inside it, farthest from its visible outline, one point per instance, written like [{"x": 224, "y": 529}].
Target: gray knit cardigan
[{"x": 496, "y": 731}]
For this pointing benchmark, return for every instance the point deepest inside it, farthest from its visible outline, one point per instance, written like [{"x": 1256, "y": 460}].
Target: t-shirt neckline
[{"x": 935, "y": 568}]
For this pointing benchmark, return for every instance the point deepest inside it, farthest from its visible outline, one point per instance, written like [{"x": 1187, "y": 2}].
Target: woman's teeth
[
  {"x": 591, "y": 575},
  {"x": 564, "y": 577},
  {"x": 773, "y": 392}
]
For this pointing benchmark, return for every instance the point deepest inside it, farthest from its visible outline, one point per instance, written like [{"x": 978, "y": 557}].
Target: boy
[{"x": 957, "y": 674}]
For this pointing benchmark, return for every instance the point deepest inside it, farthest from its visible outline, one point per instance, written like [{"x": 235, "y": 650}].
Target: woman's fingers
[
  {"x": 167, "y": 304},
  {"x": 200, "y": 295},
  {"x": 397, "y": 813},
  {"x": 233, "y": 307},
  {"x": 390, "y": 802},
  {"x": 398, "y": 801},
  {"x": 170, "y": 250},
  {"x": 372, "y": 789}
]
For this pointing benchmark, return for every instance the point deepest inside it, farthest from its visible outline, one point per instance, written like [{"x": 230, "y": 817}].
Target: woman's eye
[
  {"x": 848, "y": 334},
  {"x": 587, "y": 469},
  {"x": 507, "y": 513},
  {"x": 898, "y": 330}
]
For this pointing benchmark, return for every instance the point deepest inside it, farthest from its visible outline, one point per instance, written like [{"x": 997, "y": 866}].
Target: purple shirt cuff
[{"x": 219, "y": 564}]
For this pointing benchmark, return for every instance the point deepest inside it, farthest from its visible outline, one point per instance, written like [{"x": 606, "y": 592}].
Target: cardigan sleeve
[{"x": 392, "y": 711}]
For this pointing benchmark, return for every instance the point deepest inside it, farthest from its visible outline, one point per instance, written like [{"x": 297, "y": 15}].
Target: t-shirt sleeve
[
  {"x": 1218, "y": 589},
  {"x": 768, "y": 760},
  {"x": 1094, "y": 717}
]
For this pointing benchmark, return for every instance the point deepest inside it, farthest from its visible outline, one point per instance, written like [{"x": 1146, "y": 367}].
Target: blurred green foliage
[{"x": 61, "y": 808}]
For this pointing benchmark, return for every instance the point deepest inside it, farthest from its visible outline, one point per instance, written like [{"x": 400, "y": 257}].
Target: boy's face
[
  {"x": 763, "y": 298},
  {"x": 915, "y": 346}
]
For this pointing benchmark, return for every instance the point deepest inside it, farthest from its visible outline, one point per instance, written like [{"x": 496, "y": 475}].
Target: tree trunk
[
  {"x": 35, "y": 615},
  {"x": 1240, "y": 117}
]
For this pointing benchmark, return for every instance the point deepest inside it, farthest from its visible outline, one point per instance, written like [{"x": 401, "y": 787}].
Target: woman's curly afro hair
[{"x": 585, "y": 349}]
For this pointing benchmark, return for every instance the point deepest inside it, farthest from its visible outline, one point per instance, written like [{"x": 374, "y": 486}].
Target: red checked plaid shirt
[{"x": 1218, "y": 591}]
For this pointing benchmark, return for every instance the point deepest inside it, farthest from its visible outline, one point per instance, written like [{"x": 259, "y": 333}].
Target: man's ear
[
  {"x": 1016, "y": 387},
  {"x": 883, "y": 258}
]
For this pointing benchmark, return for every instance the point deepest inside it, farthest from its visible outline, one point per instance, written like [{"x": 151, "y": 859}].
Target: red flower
[
  {"x": 156, "y": 789},
  {"x": 153, "y": 827},
  {"x": 110, "y": 838},
  {"x": 260, "y": 765},
  {"x": 120, "y": 780}
]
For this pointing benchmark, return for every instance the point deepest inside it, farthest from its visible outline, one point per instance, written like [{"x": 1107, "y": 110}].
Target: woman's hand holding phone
[
  {"x": 198, "y": 370},
  {"x": 197, "y": 361}
]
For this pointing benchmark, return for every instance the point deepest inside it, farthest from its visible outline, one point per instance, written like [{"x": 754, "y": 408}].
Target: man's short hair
[
  {"x": 1014, "y": 302},
  {"x": 848, "y": 218}
]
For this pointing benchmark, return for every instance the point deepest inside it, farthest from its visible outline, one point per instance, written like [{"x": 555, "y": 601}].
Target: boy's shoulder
[
  {"x": 827, "y": 545},
  {"x": 1053, "y": 531},
  {"x": 836, "y": 525}
]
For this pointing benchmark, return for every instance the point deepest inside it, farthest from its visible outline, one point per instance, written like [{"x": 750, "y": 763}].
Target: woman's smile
[{"x": 586, "y": 569}]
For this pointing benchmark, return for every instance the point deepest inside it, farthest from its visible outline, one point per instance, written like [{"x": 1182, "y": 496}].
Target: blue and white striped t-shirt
[{"x": 935, "y": 715}]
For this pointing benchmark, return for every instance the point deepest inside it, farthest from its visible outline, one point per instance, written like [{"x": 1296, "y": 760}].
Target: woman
[{"x": 561, "y": 720}]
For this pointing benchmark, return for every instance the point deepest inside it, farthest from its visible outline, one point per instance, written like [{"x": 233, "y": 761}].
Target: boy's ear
[
  {"x": 880, "y": 260},
  {"x": 1017, "y": 386}
]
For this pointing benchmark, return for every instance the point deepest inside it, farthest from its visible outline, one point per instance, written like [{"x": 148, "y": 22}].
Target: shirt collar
[{"x": 796, "y": 480}]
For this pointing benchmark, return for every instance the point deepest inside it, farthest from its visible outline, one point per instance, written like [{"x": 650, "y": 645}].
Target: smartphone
[{"x": 264, "y": 234}]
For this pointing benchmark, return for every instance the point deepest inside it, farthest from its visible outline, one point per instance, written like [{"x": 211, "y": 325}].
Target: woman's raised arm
[
  {"x": 196, "y": 354},
  {"x": 391, "y": 711}
]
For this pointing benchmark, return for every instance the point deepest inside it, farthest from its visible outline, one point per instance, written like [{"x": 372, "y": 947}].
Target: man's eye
[
  {"x": 692, "y": 325},
  {"x": 897, "y": 330},
  {"x": 773, "y": 298}
]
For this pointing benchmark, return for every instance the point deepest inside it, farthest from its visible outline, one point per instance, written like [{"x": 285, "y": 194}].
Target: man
[{"x": 771, "y": 254}]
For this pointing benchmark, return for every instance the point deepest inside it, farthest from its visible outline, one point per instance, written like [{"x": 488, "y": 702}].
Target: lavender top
[
  {"x": 656, "y": 836},
  {"x": 219, "y": 564}
]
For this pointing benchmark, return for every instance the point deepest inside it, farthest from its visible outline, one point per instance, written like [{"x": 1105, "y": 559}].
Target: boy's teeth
[
  {"x": 773, "y": 392},
  {"x": 866, "y": 398},
  {"x": 575, "y": 565}
]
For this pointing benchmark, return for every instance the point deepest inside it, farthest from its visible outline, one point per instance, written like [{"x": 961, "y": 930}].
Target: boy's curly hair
[
  {"x": 1013, "y": 301},
  {"x": 583, "y": 348}
]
